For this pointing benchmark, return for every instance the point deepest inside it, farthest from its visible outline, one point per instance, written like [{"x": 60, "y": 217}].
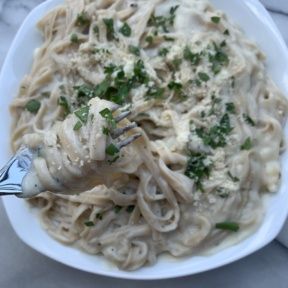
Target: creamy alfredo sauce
[{"x": 210, "y": 117}]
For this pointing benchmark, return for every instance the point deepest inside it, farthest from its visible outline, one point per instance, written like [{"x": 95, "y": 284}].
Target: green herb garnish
[
  {"x": 194, "y": 58},
  {"x": 110, "y": 69},
  {"x": 216, "y": 136},
  {"x": 130, "y": 208},
  {"x": 214, "y": 102},
  {"x": 176, "y": 62},
  {"x": 249, "y": 120},
  {"x": 231, "y": 226},
  {"x": 84, "y": 93},
  {"x": 83, "y": 19},
  {"x": 169, "y": 39},
  {"x": 102, "y": 88},
  {"x": 125, "y": 30},
  {"x": 96, "y": 29},
  {"x": 247, "y": 145},
  {"x": 226, "y": 32},
  {"x": 109, "y": 23},
  {"x": 215, "y": 19},
  {"x": 107, "y": 114},
  {"x": 77, "y": 126},
  {"x": 222, "y": 193},
  {"x": 198, "y": 168},
  {"x": 33, "y": 106},
  {"x": 163, "y": 51},
  {"x": 218, "y": 59},
  {"x": 106, "y": 131},
  {"x": 112, "y": 150},
  {"x": 134, "y": 50},
  {"x": 162, "y": 21},
  {"x": 82, "y": 114},
  {"x": 140, "y": 74},
  {"x": 62, "y": 101},
  {"x": 223, "y": 44},
  {"x": 74, "y": 38},
  {"x": 155, "y": 92},
  {"x": 230, "y": 108},
  {"x": 203, "y": 76},
  {"x": 99, "y": 216},
  {"x": 233, "y": 82},
  {"x": 233, "y": 178},
  {"x": 89, "y": 223},
  {"x": 117, "y": 209},
  {"x": 149, "y": 39},
  {"x": 175, "y": 86}
]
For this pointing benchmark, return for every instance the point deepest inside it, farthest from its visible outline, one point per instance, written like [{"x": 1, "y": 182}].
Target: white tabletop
[{"x": 22, "y": 267}]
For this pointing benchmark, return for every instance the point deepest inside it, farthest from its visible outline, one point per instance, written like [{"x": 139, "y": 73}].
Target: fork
[{"x": 13, "y": 173}]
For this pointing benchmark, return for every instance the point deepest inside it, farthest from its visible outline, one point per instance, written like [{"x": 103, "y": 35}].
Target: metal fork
[{"x": 12, "y": 174}]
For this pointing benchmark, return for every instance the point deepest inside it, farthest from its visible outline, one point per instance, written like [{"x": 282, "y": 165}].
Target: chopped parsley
[
  {"x": 112, "y": 150},
  {"x": 169, "y": 39},
  {"x": 77, "y": 126},
  {"x": 130, "y": 208},
  {"x": 162, "y": 21},
  {"x": 230, "y": 108},
  {"x": 223, "y": 44},
  {"x": 62, "y": 101},
  {"x": 176, "y": 86},
  {"x": 222, "y": 192},
  {"x": 233, "y": 81},
  {"x": 106, "y": 131},
  {"x": 109, "y": 23},
  {"x": 198, "y": 168},
  {"x": 107, "y": 114},
  {"x": 96, "y": 29},
  {"x": 194, "y": 58},
  {"x": 140, "y": 74},
  {"x": 155, "y": 92},
  {"x": 215, "y": 19},
  {"x": 218, "y": 59},
  {"x": 233, "y": 178},
  {"x": 82, "y": 114},
  {"x": 203, "y": 77},
  {"x": 117, "y": 209},
  {"x": 149, "y": 39},
  {"x": 248, "y": 120},
  {"x": 163, "y": 51},
  {"x": 33, "y": 106},
  {"x": 247, "y": 145},
  {"x": 83, "y": 19},
  {"x": 226, "y": 32},
  {"x": 230, "y": 226},
  {"x": 125, "y": 30},
  {"x": 89, "y": 223},
  {"x": 216, "y": 136},
  {"x": 134, "y": 50},
  {"x": 214, "y": 102},
  {"x": 74, "y": 38},
  {"x": 99, "y": 216},
  {"x": 46, "y": 94},
  {"x": 176, "y": 62},
  {"x": 102, "y": 88},
  {"x": 84, "y": 93}
]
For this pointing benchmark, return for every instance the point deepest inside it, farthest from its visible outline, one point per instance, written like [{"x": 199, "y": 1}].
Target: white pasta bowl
[{"x": 258, "y": 25}]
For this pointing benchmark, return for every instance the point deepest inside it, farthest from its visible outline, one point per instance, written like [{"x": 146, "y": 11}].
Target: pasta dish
[{"x": 209, "y": 116}]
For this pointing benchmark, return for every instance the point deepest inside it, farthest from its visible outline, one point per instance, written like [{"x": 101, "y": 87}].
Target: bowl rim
[{"x": 48, "y": 4}]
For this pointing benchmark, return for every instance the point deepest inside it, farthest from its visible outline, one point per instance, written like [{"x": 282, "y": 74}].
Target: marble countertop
[{"x": 22, "y": 267}]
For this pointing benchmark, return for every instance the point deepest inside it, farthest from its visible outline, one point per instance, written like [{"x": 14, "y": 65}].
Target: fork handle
[{"x": 11, "y": 175}]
